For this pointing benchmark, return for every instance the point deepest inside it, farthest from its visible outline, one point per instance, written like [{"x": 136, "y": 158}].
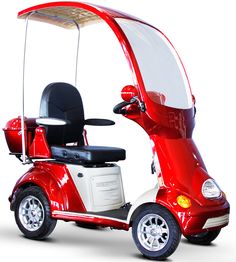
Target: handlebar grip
[{"x": 118, "y": 108}]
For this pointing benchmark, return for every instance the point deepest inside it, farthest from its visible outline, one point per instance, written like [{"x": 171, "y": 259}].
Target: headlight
[{"x": 210, "y": 189}]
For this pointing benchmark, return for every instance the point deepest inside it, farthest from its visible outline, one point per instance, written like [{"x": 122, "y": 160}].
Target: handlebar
[{"x": 119, "y": 108}]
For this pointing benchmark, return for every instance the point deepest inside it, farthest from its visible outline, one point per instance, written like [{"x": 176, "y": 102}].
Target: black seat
[
  {"x": 88, "y": 154},
  {"x": 63, "y": 101}
]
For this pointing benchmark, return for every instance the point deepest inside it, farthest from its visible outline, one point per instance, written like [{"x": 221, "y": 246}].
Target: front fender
[
  {"x": 146, "y": 198},
  {"x": 55, "y": 181},
  {"x": 192, "y": 219}
]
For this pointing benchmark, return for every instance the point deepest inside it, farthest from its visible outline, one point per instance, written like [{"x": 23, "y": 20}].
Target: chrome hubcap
[
  {"x": 31, "y": 213},
  {"x": 153, "y": 232}
]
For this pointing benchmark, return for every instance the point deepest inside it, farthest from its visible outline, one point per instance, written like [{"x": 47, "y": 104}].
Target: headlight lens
[{"x": 210, "y": 189}]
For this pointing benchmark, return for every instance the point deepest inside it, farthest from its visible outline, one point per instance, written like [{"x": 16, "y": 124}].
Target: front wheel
[
  {"x": 204, "y": 238},
  {"x": 156, "y": 233},
  {"x": 32, "y": 213}
]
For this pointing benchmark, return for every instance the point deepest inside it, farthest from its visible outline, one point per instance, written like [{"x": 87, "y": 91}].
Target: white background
[{"x": 203, "y": 33}]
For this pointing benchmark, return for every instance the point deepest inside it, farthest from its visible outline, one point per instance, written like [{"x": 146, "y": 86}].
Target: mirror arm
[{"x": 140, "y": 103}]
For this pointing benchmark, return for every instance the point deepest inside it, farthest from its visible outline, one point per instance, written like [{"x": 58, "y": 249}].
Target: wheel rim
[
  {"x": 153, "y": 232},
  {"x": 31, "y": 213}
]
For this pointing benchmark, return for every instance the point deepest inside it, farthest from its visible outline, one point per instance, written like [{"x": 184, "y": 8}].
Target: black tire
[
  {"x": 26, "y": 217},
  {"x": 163, "y": 220},
  {"x": 204, "y": 238}
]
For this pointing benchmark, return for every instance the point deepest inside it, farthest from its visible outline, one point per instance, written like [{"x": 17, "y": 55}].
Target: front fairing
[
  {"x": 169, "y": 115},
  {"x": 163, "y": 86},
  {"x": 183, "y": 173},
  {"x": 182, "y": 169},
  {"x": 169, "y": 112}
]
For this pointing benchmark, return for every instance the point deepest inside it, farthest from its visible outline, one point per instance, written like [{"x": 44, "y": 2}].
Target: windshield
[{"x": 162, "y": 72}]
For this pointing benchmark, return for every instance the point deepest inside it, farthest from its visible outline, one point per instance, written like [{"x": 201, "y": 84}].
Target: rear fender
[{"x": 55, "y": 181}]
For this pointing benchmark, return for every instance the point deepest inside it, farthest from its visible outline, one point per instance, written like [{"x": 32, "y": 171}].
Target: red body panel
[
  {"x": 183, "y": 173},
  {"x": 57, "y": 184},
  {"x": 39, "y": 147},
  {"x": 192, "y": 220},
  {"x": 183, "y": 169}
]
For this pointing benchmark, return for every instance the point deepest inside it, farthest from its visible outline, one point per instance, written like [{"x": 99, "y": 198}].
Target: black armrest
[{"x": 98, "y": 122}]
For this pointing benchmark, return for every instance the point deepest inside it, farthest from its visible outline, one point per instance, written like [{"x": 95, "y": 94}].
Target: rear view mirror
[{"x": 128, "y": 92}]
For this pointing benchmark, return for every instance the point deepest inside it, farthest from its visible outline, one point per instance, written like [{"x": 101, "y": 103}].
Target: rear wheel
[
  {"x": 32, "y": 213},
  {"x": 204, "y": 238},
  {"x": 156, "y": 232}
]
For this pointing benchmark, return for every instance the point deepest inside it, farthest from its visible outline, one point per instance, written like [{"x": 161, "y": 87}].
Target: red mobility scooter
[{"x": 83, "y": 183}]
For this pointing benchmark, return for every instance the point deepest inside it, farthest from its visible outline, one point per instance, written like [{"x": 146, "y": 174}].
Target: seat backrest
[{"x": 62, "y": 100}]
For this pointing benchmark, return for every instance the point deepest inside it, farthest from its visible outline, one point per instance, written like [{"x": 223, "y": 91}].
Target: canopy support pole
[
  {"x": 23, "y": 139},
  {"x": 77, "y": 53}
]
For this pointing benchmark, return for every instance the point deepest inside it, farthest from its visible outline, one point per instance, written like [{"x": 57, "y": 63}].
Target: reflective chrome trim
[{"x": 216, "y": 221}]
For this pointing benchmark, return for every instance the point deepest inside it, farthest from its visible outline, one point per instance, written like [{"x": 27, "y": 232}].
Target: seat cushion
[{"x": 87, "y": 154}]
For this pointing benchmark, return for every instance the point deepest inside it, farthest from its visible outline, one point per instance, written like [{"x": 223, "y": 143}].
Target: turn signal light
[{"x": 183, "y": 201}]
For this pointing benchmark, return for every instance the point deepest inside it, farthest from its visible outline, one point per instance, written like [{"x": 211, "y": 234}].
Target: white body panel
[
  {"x": 147, "y": 197},
  {"x": 100, "y": 188}
]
